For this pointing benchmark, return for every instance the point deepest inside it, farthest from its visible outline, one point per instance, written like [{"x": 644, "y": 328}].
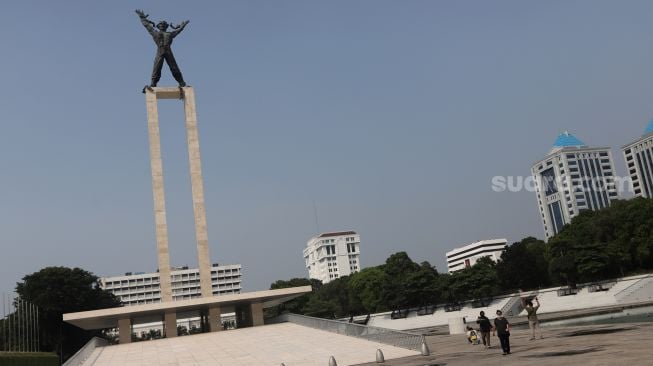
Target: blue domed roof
[
  {"x": 566, "y": 139},
  {"x": 649, "y": 128}
]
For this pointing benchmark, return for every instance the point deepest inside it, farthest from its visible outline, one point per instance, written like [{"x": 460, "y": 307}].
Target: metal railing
[
  {"x": 85, "y": 352},
  {"x": 381, "y": 335}
]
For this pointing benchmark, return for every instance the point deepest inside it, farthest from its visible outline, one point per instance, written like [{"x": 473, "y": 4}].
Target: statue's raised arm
[
  {"x": 148, "y": 24},
  {"x": 179, "y": 28}
]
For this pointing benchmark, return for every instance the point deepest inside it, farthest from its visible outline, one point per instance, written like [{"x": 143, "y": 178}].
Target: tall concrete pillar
[
  {"x": 152, "y": 96},
  {"x": 160, "y": 222},
  {"x": 257, "y": 314},
  {"x": 215, "y": 319},
  {"x": 125, "y": 330},
  {"x": 197, "y": 188},
  {"x": 170, "y": 324}
]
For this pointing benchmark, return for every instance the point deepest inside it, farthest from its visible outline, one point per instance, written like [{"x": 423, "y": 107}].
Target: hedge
[{"x": 28, "y": 359}]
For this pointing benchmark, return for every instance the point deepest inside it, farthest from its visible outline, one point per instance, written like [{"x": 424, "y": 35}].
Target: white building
[
  {"x": 571, "y": 178},
  {"x": 467, "y": 256},
  {"x": 143, "y": 288},
  {"x": 332, "y": 255},
  {"x": 639, "y": 162}
]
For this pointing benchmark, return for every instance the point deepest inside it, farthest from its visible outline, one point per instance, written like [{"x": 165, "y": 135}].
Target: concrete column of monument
[
  {"x": 197, "y": 187},
  {"x": 125, "y": 330},
  {"x": 215, "y": 320},
  {"x": 159, "y": 196}
]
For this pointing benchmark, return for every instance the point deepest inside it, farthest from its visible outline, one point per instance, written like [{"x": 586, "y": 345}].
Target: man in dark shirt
[
  {"x": 486, "y": 327},
  {"x": 502, "y": 328},
  {"x": 163, "y": 40}
]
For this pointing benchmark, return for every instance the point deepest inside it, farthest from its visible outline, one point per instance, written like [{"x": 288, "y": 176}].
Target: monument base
[{"x": 251, "y": 305}]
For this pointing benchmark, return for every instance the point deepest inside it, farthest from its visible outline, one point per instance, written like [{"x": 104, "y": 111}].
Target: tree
[
  {"x": 479, "y": 281},
  {"x": 365, "y": 285},
  {"x": 397, "y": 269},
  {"x": 59, "y": 290},
  {"x": 421, "y": 285},
  {"x": 295, "y": 305},
  {"x": 523, "y": 265},
  {"x": 320, "y": 308}
]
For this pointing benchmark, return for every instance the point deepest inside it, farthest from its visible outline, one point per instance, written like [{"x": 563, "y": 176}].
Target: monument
[
  {"x": 247, "y": 306},
  {"x": 163, "y": 40}
]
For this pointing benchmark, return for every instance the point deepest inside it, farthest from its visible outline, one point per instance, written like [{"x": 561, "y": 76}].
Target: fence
[
  {"x": 381, "y": 335},
  {"x": 19, "y": 327}
]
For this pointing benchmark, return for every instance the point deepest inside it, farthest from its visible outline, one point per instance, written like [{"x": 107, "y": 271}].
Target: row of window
[{"x": 129, "y": 301}]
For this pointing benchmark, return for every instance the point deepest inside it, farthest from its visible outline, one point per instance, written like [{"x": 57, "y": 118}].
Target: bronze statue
[{"x": 163, "y": 40}]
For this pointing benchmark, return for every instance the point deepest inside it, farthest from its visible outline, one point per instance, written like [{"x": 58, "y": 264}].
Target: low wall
[
  {"x": 380, "y": 335},
  {"x": 85, "y": 352}
]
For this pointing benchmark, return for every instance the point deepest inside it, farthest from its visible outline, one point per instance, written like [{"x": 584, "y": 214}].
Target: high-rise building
[
  {"x": 468, "y": 255},
  {"x": 571, "y": 178},
  {"x": 144, "y": 288},
  {"x": 639, "y": 162},
  {"x": 332, "y": 255}
]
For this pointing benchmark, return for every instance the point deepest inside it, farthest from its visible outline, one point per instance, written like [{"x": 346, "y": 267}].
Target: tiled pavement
[
  {"x": 594, "y": 345},
  {"x": 292, "y": 344}
]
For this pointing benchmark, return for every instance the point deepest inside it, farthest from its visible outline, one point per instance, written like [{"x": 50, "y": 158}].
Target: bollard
[
  {"x": 282, "y": 364},
  {"x": 332, "y": 361},
  {"x": 425, "y": 349},
  {"x": 379, "y": 356}
]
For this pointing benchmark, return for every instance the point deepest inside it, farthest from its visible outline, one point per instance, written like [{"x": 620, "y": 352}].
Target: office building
[
  {"x": 468, "y": 255},
  {"x": 571, "y": 178},
  {"x": 143, "y": 288},
  {"x": 332, "y": 255},
  {"x": 639, "y": 162}
]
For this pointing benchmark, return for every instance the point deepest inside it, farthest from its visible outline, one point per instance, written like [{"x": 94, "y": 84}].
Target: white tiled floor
[{"x": 291, "y": 344}]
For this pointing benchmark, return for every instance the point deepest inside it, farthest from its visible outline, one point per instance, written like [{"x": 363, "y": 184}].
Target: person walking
[
  {"x": 502, "y": 328},
  {"x": 485, "y": 325},
  {"x": 533, "y": 322}
]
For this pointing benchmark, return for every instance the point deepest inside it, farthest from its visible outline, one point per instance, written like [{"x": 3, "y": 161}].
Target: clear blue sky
[{"x": 392, "y": 116}]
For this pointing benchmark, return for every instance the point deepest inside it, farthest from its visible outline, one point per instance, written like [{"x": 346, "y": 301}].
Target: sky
[{"x": 385, "y": 117}]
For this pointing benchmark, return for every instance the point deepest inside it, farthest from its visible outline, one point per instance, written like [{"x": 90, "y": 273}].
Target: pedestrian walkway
[{"x": 619, "y": 344}]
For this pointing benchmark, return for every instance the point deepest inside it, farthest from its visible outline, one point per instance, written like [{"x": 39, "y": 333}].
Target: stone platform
[
  {"x": 620, "y": 344},
  {"x": 292, "y": 344}
]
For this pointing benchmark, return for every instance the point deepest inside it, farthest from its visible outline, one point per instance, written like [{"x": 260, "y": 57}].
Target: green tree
[
  {"x": 421, "y": 285},
  {"x": 398, "y": 268},
  {"x": 604, "y": 244},
  {"x": 320, "y": 308},
  {"x": 295, "y": 305},
  {"x": 523, "y": 265},
  {"x": 478, "y": 282},
  {"x": 59, "y": 290},
  {"x": 366, "y": 285}
]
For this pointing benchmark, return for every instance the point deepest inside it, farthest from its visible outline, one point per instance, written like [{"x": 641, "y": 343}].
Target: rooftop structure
[
  {"x": 332, "y": 255},
  {"x": 468, "y": 255}
]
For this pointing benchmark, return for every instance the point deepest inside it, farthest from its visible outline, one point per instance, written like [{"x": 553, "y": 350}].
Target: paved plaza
[
  {"x": 620, "y": 344},
  {"x": 271, "y": 345}
]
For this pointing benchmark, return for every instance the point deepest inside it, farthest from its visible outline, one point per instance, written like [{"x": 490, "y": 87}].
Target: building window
[{"x": 548, "y": 180}]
